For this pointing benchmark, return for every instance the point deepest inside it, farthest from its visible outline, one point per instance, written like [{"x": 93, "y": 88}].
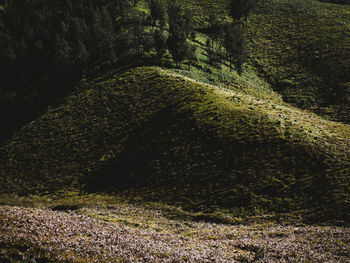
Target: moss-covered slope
[{"x": 186, "y": 142}]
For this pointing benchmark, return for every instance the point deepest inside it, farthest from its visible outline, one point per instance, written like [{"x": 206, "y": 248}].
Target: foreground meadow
[{"x": 132, "y": 233}]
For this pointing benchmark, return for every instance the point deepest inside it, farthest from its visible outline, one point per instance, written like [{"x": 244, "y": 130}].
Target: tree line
[
  {"x": 226, "y": 40},
  {"x": 41, "y": 37}
]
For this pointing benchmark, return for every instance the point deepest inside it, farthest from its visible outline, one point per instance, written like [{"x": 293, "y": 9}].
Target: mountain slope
[
  {"x": 302, "y": 48},
  {"x": 175, "y": 139}
]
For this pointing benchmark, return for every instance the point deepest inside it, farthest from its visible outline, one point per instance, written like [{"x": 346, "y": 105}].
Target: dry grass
[{"x": 134, "y": 234}]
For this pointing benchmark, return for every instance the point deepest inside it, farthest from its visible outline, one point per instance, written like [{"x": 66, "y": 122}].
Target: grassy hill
[
  {"x": 302, "y": 48},
  {"x": 154, "y": 133},
  {"x": 130, "y": 164}
]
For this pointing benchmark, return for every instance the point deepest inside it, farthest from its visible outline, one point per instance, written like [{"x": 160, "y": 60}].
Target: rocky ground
[{"x": 131, "y": 233}]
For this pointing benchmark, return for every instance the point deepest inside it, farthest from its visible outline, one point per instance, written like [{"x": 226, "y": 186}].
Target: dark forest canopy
[
  {"x": 41, "y": 37},
  {"x": 48, "y": 38},
  {"x": 45, "y": 46}
]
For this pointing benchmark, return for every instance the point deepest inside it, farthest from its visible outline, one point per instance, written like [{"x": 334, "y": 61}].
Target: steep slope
[{"x": 175, "y": 139}]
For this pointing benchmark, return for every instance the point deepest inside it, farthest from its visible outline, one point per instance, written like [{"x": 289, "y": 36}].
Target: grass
[
  {"x": 190, "y": 155},
  {"x": 157, "y": 134},
  {"x": 206, "y": 138},
  {"x": 202, "y": 10},
  {"x": 215, "y": 162},
  {"x": 132, "y": 233},
  {"x": 301, "y": 47}
]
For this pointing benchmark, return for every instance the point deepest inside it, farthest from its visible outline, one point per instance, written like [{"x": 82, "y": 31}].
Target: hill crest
[{"x": 183, "y": 142}]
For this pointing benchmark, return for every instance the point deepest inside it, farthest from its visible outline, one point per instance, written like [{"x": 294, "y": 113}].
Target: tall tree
[
  {"x": 160, "y": 42},
  {"x": 215, "y": 30},
  {"x": 109, "y": 37},
  {"x": 138, "y": 34},
  {"x": 239, "y": 9},
  {"x": 134, "y": 2},
  {"x": 191, "y": 55},
  {"x": 158, "y": 12},
  {"x": 180, "y": 26},
  {"x": 234, "y": 43},
  {"x": 213, "y": 54}
]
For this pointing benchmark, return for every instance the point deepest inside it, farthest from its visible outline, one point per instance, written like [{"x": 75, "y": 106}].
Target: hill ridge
[{"x": 148, "y": 128}]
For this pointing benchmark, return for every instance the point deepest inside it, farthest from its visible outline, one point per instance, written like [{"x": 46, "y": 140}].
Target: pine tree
[
  {"x": 234, "y": 43},
  {"x": 160, "y": 42},
  {"x": 62, "y": 51},
  {"x": 108, "y": 35},
  {"x": 158, "y": 12},
  {"x": 180, "y": 26},
  {"x": 239, "y": 9},
  {"x": 215, "y": 30},
  {"x": 134, "y": 2},
  {"x": 191, "y": 55},
  {"x": 209, "y": 50},
  {"x": 138, "y": 34},
  {"x": 95, "y": 35}
]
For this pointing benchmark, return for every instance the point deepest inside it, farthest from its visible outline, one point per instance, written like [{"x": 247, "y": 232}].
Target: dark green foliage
[
  {"x": 193, "y": 35},
  {"x": 212, "y": 54},
  {"x": 134, "y": 2},
  {"x": 158, "y": 9},
  {"x": 215, "y": 33},
  {"x": 180, "y": 26},
  {"x": 191, "y": 55},
  {"x": 49, "y": 44},
  {"x": 160, "y": 42},
  {"x": 216, "y": 29},
  {"x": 235, "y": 46},
  {"x": 137, "y": 33},
  {"x": 239, "y": 9}
]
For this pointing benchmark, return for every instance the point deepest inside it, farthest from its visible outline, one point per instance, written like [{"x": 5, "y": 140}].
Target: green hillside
[
  {"x": 302, "y": 48},
  {"x": 175, "y": 131},
  {"x": 172, "y": 138}
]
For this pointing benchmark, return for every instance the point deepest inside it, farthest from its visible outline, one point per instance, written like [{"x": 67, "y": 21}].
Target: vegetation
[
  {"x": 146, "y": 118},
  {"x": 234, "y": 43},
  {"x": 301, "y": 48},
  {"x": 49, "y": 45},
  {"x": 186, "y": 143},
  {"x": 132, "y": 233},
  {"x": 240, "y": 9},
  {"x": 52, "y": 57}
]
